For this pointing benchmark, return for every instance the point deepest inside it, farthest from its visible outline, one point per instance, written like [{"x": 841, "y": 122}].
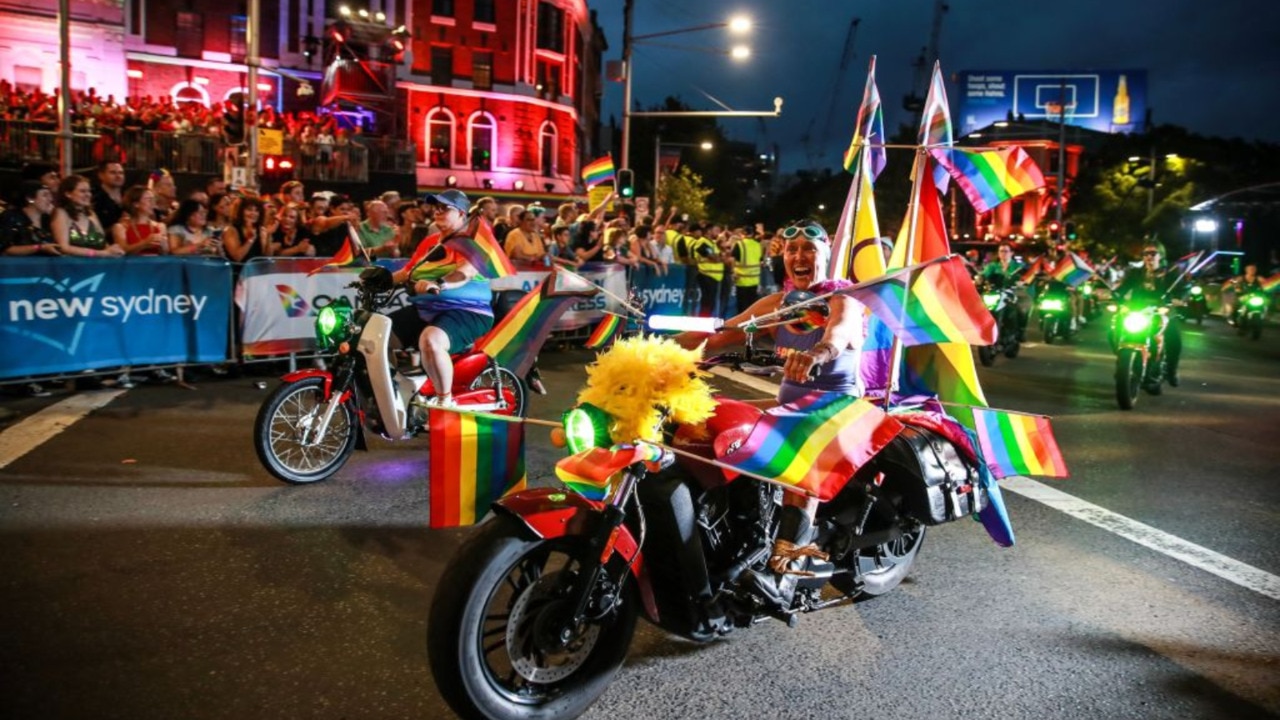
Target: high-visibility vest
[
  {"x": 711, "y": 266},
  {"x": 681, "y": 246},
  {"x": 749, "y": 253}
]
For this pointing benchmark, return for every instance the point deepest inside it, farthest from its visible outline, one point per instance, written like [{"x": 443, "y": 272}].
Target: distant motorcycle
[
  {"x": 1197, "y": 306},
  {"x": 1137, "y": 339},
  {"x": 1252, "y": 314},
  {"x": 1003, "y": 305},
  {"x": 1054, "y": 310}
]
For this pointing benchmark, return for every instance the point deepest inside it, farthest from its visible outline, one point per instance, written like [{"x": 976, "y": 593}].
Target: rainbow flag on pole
[
  {"x": 1072, "y": 270},
  {"x": 515, "y": 341},
  {"x": 990, "y": 177},
  {"x": 1271, "y": 283},
  {"x": 475, "y": 458},
  {"x": 346, "y": 254},
  {"x": 598, "y": 171},
  {"x": 935, "y": 302},
  {"x": 1018, "y": 443},
  {"x": 605, "y": 332},
  {"x": 868, "y": 132},
  {"x": 483, "y": 251},
  {"x": 816, "y": 443}
]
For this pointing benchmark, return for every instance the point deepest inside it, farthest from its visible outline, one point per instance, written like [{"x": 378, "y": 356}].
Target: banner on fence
[
  {"x": 67, "y": 314},
  {"x": 588, "y": 311}
]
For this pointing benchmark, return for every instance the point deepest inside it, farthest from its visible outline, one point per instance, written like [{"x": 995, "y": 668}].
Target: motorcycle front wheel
[
  {"x": 987, "y": 355},
  {"x": 1130, "y": 367},
  {"x": 496, "y": 642},
  {"x": 283, "y": 433},
  {"x": 1050, "y": 327}
]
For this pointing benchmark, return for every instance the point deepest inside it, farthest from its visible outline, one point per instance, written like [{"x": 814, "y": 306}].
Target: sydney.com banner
[{"x": 65, "y": 314}]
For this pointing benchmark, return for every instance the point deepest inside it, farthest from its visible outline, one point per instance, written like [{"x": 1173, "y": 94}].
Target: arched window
[
  {"x": 482, "y": 136},
  {"x": 185, "y": 92},
  {"x": 440, "y": 138},
  {"x": 549, "y": 143}
]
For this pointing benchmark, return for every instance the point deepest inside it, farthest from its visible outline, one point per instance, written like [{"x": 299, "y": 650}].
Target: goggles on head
[{"x": 808, "y": 228}]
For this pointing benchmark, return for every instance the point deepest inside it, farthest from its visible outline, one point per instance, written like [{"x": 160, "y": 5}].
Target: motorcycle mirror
[{"x": 685, "y": 323}]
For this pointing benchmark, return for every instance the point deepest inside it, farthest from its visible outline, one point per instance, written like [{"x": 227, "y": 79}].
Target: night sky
[{"x": 1212, "y": 67}]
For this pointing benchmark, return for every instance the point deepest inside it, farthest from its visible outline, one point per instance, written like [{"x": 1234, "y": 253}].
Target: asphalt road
[{"x": 151, "y": 569}]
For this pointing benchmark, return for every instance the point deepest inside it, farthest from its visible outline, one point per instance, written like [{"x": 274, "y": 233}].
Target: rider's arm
[{"x": 731, "y": 334}]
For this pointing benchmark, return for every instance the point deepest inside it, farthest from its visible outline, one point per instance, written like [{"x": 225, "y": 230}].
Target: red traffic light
[{"x": 1054, "y": 226}]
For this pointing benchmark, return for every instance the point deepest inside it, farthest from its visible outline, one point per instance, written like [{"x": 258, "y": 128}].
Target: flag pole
[{"x": 896, "y": 351}]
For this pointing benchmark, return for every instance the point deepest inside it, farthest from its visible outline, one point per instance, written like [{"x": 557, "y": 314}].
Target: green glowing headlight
[
  {"x": 1197, "y": 290},
  {"x": 1086, "y": 289},
  {"x": 333, "y": 323},
  {"x": 586, "y": 426},
  {"x": 327, "y": 321},
  {"x": 991, "y": 299},
  {"x": 1053, "y": 305},
  {"x": 1255, "y": 301},
  {"x": 1136, "y": 322}
]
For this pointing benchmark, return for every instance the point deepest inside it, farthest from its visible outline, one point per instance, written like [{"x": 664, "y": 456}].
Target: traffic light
[
  {"x": 1071, "y": 231},
  {"x": 1053, "y": 228},
  {"x": 276, "y": 169},
  {"x": 626, "y": 183}
]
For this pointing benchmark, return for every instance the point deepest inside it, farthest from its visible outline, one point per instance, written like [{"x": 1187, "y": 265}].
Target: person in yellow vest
[
  {"x": 710, "y": 271},
  {"x": 684, "y": 235},
  {"x": 748, "y": 255}
]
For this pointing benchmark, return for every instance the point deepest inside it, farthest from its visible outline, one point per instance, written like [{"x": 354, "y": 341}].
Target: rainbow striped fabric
[
  {"x": 1018, "y": 443},
  {"x": 588, "y": 473},
  {"x": 869, "y": 129},
  {"x": 1072, "y": 270},
  {"x": 483, "y": 251},
  {"x": 1269, "y": 284},
  {"x": 990, "y": 177},
  {"x": 605, "y": 332},
  {"x": 475, "y": 459},
  {"x": 514, "y": 342},
  {"x": 940, "y": 304},
  {"x": 935, "y": 125},
  {"x": 815, "y": 444},
  {"x": 598, "y": 171},
  {"x": 931, "y": 230},
  {"x": 346, "y": 254},
  {"x": 1028, "y": 276}
]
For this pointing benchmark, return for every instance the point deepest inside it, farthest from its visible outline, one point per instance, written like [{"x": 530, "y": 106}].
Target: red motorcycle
[
  {"x": 535, "y": 613},
  {"x": 309, "y": 425}
]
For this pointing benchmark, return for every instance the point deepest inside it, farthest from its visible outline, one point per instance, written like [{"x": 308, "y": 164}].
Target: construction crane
[{"x": 914, "y": 102}]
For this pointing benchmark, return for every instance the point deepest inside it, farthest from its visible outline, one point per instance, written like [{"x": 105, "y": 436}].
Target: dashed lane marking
[
  {"x": 30, "y": 433},
  {"x": 1242, "y": 574}
]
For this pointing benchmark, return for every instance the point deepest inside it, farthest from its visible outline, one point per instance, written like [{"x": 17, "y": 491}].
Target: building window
[
  {"x": 482, "y": 131},
  {"x": 482, "y": 70},
  {"x": 485, "y": 12},
  {"x": 550, "y": 28},
  {"x": 441, "y": 65},
  {"x": 186, "y": 93},
  {"x": 189, "y": 40},
  {"x": 238, "y": 46},
  {"x": 442, "y": 8},
  {"x": 550, "y": 148},
  {"x": 548, "y": 80},
  {"x": 440, "y": 138}
]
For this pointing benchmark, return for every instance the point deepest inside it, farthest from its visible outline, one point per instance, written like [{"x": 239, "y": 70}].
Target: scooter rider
[
  {"x": 452, "y": 304},
  {"x": 1243, "y": 285},
  {"x": 1005, "y": 272},
  {"x": 1152, "y": 285},
  {"x": 834, "y": 349}
]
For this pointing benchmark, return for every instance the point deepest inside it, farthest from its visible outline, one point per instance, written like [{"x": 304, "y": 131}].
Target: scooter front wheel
[
  {"x": 1130, "y": 367},
  {"x": 285, "y": 433}
]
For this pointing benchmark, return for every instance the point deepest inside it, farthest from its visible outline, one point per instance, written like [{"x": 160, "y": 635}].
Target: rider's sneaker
[
  {"x": 442, "y": 401},
  {"x": 535, "y": 382}
]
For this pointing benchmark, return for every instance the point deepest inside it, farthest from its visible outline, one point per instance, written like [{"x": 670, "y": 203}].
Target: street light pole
[
  {"x": 657, "y": 166},
  {"x": 628, "y": 9}
]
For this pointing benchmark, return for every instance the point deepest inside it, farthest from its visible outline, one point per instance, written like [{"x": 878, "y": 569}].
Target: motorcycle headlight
[
  {"x": 1136, "y": 322},
  {"x": 1052, "y": 304},
  {"x": 1086, "y": 289},
  {"x": 991, "y": 299},
  {"x": 1197, "y": 290},
  {"x": 1255, "y": 301},
  {"x": 333, "y": 323},
  {"x": 586, "y": 426}
]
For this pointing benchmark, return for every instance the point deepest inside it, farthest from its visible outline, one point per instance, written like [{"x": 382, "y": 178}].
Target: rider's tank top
[{"x": 839, "y": 375}]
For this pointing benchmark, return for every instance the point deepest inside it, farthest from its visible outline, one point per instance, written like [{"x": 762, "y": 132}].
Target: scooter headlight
[
  {"x": 1255, "y": 301},
  {"x": 1136, "y": 322},
  {"x": 1197, "y": 290},
  {"x": 333, "y": 323},
  {"x": 991, "y": 299},
  {"x": 1051, "y": 305},
  {"x": 586, "y": 426}
]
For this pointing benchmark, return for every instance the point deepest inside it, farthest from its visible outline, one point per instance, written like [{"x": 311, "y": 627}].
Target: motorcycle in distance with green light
[
  {"x": 1002, "y": 303},
  {"x": 1137, "y": 339},
  {"x": 1196, "y": 306},
  {"x": 534, "y": 615},
  {"x": 310, "y": 424},
  {"x": 1053, "y": 306},
  {"x": 1252, "y": 314}
]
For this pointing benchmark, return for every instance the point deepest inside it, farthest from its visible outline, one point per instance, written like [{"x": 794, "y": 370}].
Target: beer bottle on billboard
[{"x": 1120, "y": 108}]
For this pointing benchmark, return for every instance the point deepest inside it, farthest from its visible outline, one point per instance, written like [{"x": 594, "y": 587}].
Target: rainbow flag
[
  {"x": 814, "y": 444},
  {"x": 935, "y": 126},
  {"x": 931, "y": 230},
  {"x": 588, "y": 473},
  {"x": 868, "y": 129},
  {"x": 514, "y": 342},
  {"x": 598, "y": 171},
  {"x": 1018, "y": 443},
  {"x": 1269, "y": 284},
  {"x": 346, "y": 254},
  {"x": 475, "y": 458},
  {"x": 1028, "y": 276},
  {"x": 1072, "y": 270},
  {"x": 483, "y": 251},
  {"x": 605, "y": 332},
  {"x": 939, "y": 305},
  {"x": 990, "y": 177}
]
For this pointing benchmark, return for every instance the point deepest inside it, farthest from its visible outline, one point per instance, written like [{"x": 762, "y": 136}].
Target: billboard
[{"x": 1110, "y": 101}]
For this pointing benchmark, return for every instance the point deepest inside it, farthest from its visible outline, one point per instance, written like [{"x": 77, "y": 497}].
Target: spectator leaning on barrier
[
  {"x": 245, "y": 239},
  {"x": 377, "y": 233},
  {"x": 24, "y": 228},
  {"x": 75, "y": 226},
  {"x": 189, "y": 232},
  {"x": 108, "y": 197},
  {"x": 137, "y": 232},
  {"x": 332, "y": 231},
  {"x": 289, "y": 237},
  {"x": 523, "y": 244},
  {"x": 161, "y": 183}
]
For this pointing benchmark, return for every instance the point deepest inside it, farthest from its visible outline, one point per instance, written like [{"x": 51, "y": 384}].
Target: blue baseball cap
[{"x": 455, "y": 199}]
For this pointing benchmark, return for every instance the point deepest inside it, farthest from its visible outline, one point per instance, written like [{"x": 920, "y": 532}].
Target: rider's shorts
[{"x": 462, "y": 327}]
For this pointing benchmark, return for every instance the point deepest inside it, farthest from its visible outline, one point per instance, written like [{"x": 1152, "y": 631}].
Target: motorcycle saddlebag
[{"x": 928, "y": 478}]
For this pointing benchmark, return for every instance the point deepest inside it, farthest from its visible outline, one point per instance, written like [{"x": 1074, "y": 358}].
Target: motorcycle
[
  {"x": 1137, "y": 339},
  {"x": 1196, "y": 305},
  {"x": 1252, "y": 314},
  {"x": 1054, "y": 308},
  {"x": 535, "y": 613},
  {"x": 310, "y": 424},
  {"x": 1003, "y": 305}
]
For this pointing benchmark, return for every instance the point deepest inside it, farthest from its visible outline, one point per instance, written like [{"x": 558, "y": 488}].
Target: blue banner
[
  {"x": 661, "y": 294},
  {"x": 69, "y": 314}
]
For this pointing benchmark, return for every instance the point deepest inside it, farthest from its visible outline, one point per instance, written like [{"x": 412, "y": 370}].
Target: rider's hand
[{"x": 423, "y": 287}]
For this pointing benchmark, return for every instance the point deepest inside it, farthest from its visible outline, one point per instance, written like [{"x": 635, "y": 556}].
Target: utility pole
[
  {"x": 254, "y": 33},
  {"x": 628, "y": 9},
  {"x": 64, "y": 96}
]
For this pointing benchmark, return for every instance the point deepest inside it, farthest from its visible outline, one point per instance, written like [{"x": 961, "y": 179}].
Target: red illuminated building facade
[{"x": 498, "y": 96}]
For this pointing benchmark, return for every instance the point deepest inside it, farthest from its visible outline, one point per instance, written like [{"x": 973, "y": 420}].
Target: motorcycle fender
[
  {"x": 551, "y": 513},
  {"x": 468, "y": 368},
  {"x": 327, "y": 376}
]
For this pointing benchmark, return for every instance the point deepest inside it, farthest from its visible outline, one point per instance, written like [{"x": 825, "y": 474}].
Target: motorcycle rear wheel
[
  {"x": 502, "y": 594},
  {"x": 1130, "y": 368},
  {"x": 1050, "y": 330},
  {"x": 1011, "y": 350},
  {"x": 520, "y": 394},
  {"x": 883, "y": 567},
  {"x": 287, "y": 415}
]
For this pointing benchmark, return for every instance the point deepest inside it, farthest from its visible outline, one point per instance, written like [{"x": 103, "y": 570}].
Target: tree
[{"x": 684, "y": 190}]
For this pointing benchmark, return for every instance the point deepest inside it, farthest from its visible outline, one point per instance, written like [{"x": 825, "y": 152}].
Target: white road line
[
  {"x": 30, "y": 433},
  {"x": 1244, "y": 575}
]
